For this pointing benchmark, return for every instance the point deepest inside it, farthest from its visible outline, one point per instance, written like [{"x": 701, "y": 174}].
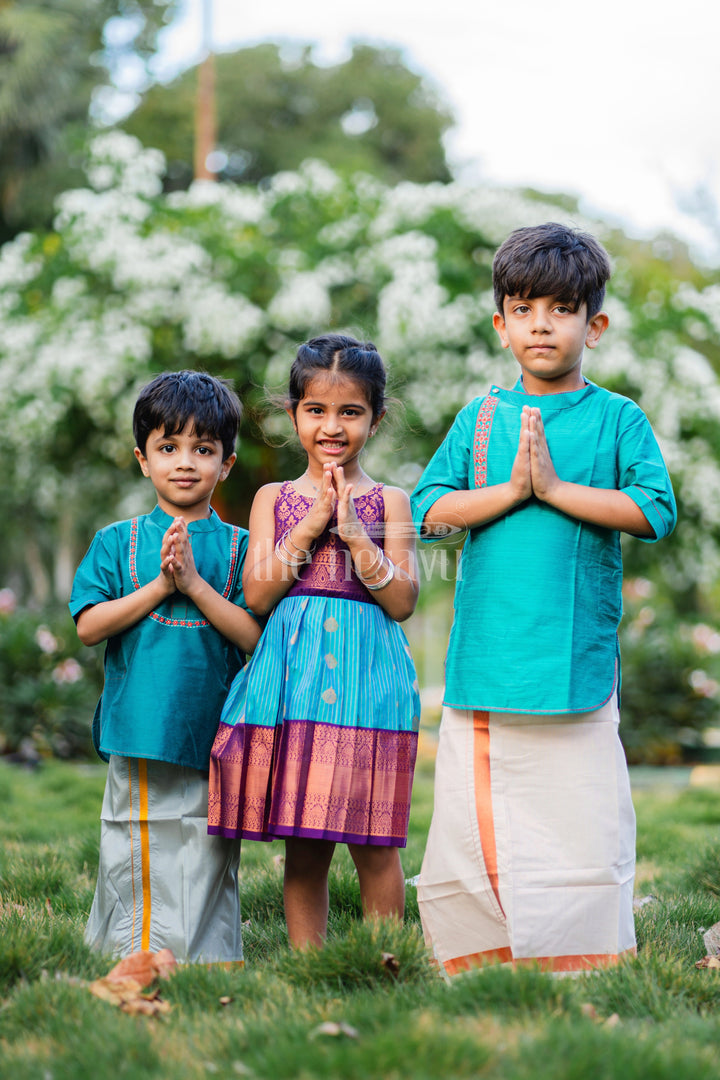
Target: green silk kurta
[
  {"x": 167, "y": 676},
  {"x": 538, "y": 600}
]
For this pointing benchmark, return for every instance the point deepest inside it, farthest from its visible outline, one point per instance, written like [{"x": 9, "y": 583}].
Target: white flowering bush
[{"x": 131, "y": 281}]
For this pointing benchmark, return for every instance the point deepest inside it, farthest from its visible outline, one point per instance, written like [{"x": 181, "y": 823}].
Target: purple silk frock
[{"x": 318, "y": 736}]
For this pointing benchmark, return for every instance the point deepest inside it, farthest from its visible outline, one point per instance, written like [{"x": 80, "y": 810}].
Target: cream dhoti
[{"x": 531, "y": 851}]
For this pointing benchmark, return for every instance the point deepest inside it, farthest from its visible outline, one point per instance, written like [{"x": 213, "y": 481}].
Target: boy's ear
[
  {"x": 596, "y": 327},
  {"x": 142, "y": 459},
  {"x": 499, "y": 324},
  {"x": 227, "y": 466}
]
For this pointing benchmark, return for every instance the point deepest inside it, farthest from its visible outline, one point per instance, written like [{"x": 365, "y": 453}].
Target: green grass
[{"x": 657, "y": 1016}]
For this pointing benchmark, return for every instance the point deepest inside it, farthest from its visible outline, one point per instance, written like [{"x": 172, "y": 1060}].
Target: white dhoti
[
  {"x": 531, "y": 850},
  {"x": 163, "y": 883}
]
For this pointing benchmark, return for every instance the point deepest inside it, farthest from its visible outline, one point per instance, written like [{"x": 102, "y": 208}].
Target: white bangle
[
  {"x": 289, "y": 558},
  {"x": 376, "y": 564},
  {"x": 305, "y": 552},
  {"x": 389, "y": 575}
]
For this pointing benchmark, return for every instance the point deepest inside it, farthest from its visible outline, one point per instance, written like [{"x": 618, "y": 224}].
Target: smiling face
[
  {"x": 333, "y": 421},
  {"x": 185, "y": 469},
  {"x": 547, "y": 337}
]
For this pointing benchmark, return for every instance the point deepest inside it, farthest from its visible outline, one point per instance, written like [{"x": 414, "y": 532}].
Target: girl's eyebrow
[{"x": 341, "y": 405}]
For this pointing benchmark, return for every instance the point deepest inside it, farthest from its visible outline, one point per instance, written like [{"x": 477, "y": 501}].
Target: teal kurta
[
  {"x": 538, "y": 600},
  {"x": 166, "y": 678}
]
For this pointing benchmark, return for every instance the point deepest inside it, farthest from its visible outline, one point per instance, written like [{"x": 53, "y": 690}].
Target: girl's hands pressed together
[
  {"x": 322, "y": 509},
  {"x": 349, "y": 527}
]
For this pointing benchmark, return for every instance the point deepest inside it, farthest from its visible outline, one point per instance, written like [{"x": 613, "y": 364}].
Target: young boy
[
  {"x": 165, "y": 591},
  {"x": 531, "y": 851}
]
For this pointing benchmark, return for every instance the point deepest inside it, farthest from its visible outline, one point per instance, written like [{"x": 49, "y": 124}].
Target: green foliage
[
  {"x": 49, "y": 685},
  {"x": 670, "y": 677},
  {"x": 53, "y": 56},
  {"x": 276, "y": 107},
  {"x": 132, "y": 280}
]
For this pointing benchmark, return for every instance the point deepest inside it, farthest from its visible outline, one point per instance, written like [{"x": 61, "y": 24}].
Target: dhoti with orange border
[
  {"x": 163, "y": 883},
  {"x": 531, "y": 850}
]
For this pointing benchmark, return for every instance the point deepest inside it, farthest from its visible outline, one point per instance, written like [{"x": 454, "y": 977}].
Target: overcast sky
[{"x": 617, "y": 102}]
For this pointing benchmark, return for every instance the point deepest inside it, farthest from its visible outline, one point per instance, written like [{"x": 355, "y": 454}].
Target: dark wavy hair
[
  {"x": 175, "y": 398},
  {"x": 552, "y": 260},
  {"x": 338, "y": 354}
]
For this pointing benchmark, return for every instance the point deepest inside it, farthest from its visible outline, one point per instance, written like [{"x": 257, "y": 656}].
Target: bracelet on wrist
[
  {"x": 385, "y": 580},
  {"x": 372, "y": 570},
  {"x": 294, "y": 559},
  {"x": 306, "y": 553}
]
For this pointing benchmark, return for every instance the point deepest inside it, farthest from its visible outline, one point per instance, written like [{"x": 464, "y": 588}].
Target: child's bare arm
[
  {"x": 266, "y": 577},
  {"x": 467, "y": 509},
  {"x": 607, "y": 507},
  {"x": 230, "y": 620},
  {"x": 110, "y": 617},
  {"x": 399, "y": 596}
]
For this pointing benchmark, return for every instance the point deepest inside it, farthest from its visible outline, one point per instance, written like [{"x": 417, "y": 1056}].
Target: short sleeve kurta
[
  {"x": 167, "y": 676},
  {"x": 538, "y": 600}
]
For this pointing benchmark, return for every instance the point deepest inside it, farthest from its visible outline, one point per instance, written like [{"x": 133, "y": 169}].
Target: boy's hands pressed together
[
  {"x": 544, "y": 479},
  {"x": 176, "y": 557},
  {"x": 521, "y": 486}
]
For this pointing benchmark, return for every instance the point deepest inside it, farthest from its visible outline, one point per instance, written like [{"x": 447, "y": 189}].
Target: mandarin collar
[
  {"x": 208, "y": 524},
  {"x": 546, "y": 402}
]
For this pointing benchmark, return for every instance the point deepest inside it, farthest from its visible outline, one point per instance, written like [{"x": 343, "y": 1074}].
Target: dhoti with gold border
[
  {"x": 163, "y": 883},
  {"x": 531, "y": 850}
]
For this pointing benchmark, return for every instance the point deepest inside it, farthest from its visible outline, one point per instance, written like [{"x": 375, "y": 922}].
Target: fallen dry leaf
[
  {"x": 589, "y": 1010},
  {"x": 165, "y": 963},
  {"x": 146, "y": 1006},
  {"x": 709, "y": 962},
  {"x": 123, "y": 985},
  {"x": 115, "y": 990},
  {"x": 612, "y": 1021},
  {"x": 145, "y": 966},
  {"x": 225, "y": 1000},
  {"x": 48, "y": 908},
  {"x": 389, "y": 961}
]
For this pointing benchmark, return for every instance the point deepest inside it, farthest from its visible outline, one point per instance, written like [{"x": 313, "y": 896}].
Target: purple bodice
[{"x": 331, "y": 571}]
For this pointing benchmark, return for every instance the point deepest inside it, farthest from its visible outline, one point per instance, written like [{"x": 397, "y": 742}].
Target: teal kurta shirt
[
  {"x": 538, "y": 601},
  {"x": 166, "y": 677}
]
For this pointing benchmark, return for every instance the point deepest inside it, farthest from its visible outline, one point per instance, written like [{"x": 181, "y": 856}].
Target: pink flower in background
[
  {"x": 46, "y": 640},
  {"x": 69, "y": 671},
  {"x": 8, "y": 601}
]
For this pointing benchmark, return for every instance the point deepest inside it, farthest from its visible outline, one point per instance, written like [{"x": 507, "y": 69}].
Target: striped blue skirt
[{"x": 319, "y": 732}]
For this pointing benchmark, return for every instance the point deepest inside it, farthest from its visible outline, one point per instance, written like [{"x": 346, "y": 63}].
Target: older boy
[
  {"x": 165, "y": 591},
  {"x": 531, "y": 851}
]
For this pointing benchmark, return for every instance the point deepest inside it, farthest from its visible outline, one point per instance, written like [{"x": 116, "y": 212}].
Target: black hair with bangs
[
  {"x": 176, "y": 398},
  {"x": 552, "y": 260}
]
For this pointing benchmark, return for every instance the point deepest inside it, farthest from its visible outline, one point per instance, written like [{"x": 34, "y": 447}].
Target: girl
[{"x": 318, "y": 737}]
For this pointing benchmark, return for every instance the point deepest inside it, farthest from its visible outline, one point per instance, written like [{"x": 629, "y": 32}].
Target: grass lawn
[{"x": 656, "y": 1017}]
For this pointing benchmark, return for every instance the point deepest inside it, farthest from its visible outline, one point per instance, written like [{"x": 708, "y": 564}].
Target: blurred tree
[
  {"x": 53, "y": 55},
  {"x": 229, "y": 278},
  {"x": 369, "y": 113}
]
